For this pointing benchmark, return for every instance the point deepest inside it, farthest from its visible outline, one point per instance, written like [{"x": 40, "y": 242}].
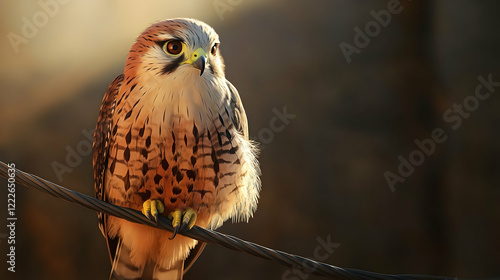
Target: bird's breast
[{"x": 176, "y": 145}]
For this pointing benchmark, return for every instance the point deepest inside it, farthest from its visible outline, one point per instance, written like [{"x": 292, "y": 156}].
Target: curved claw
[
  {"x": 152, "y": 209},
  {"x": 155, "y": 216},
  {"x": 188, "y": 220},
  {"x": 176, "y": 221},
  {"x": 183, "y": 227},
  {"x": 176, "y": 230}
]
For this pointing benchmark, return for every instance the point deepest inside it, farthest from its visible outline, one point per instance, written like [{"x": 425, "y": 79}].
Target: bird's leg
[
  {"x": 151, "y": 208},
  {"x": 188, "y": 218}
]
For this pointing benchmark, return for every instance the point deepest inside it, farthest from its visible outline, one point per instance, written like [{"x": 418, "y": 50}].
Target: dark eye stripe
[{"x": 169, "y": 68}]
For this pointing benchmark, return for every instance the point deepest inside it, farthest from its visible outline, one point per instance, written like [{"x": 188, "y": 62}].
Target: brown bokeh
[{"x": 323, "y": 174}]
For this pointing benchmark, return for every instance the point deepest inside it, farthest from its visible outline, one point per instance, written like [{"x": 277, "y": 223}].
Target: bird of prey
[{"x": 172, "y": 140}]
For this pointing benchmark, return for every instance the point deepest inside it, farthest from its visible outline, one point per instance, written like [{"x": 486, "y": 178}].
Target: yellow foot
[
  {"x": 188, "y": 218},
  {"x": 152, "y": 208}
]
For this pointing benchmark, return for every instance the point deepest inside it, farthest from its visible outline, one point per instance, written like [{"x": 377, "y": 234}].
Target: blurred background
[{"x": 358, "y": 110}]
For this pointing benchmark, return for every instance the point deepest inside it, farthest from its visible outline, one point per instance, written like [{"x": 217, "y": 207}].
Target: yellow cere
[{"x": 196, "y": 54}]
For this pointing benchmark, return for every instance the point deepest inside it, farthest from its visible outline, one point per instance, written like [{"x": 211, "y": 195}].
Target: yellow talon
[
  {"x": 152, "y": 209},
  {"x": 176, "y": 218},
  {"x": 188, "y": 218}
]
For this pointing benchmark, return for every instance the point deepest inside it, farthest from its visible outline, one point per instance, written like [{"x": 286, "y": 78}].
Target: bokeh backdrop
[{"x": 362, "y": 83}]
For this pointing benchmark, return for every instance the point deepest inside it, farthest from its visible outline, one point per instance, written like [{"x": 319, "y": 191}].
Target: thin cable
[{"x": 209, "y": 236}]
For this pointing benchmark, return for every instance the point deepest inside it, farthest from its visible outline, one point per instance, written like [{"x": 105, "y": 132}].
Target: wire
[{"x": 205, "y": 235}]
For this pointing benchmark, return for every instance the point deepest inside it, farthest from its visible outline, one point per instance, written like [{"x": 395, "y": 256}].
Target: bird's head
[{"x": 180, "y": 46}]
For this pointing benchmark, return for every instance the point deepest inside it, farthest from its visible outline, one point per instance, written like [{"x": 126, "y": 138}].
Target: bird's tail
[
  {"x": 124, "y": 269},
  {"x": 175, "y": 272}
]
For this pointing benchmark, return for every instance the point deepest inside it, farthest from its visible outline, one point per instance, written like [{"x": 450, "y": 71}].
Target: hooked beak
[{"x": 198, "y": 60}]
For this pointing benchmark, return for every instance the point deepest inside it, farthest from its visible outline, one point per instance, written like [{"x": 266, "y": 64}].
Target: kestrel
[{"x": 172, "y": 140}]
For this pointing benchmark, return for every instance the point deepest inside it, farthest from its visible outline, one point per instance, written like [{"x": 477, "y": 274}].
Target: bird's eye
[
  {"x": 214, "y": 49},
  {"x": 173, "y": 47}
]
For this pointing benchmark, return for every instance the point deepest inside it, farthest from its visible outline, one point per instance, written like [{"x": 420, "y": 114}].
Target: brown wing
[
  {"x": 239, "y": 120},
  {"x": 100, "y": 150}
]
